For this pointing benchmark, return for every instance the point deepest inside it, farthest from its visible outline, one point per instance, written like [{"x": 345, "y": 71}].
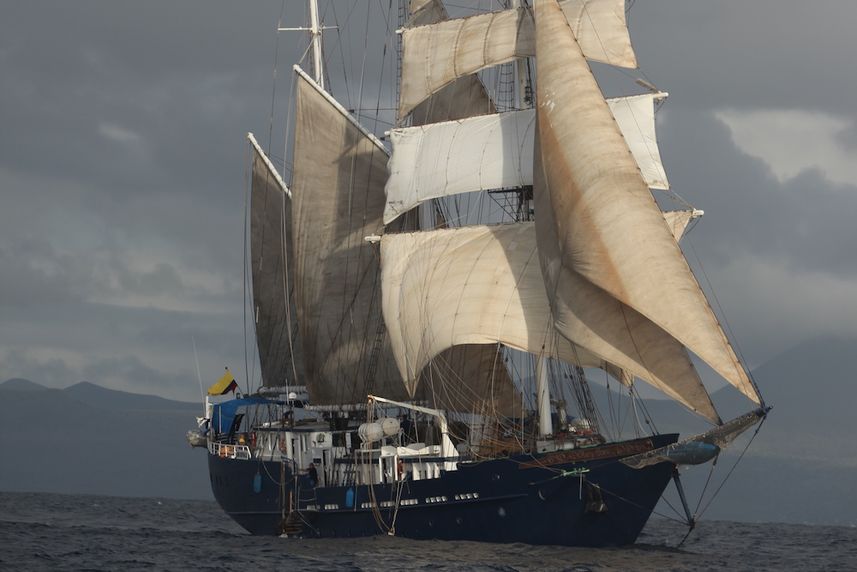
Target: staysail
[
  {"x": 677, "y": 221},
  {"x": 597, "y": 222},
  {"x": 272, "y": 270},
  {"x": 483, "y": 284},
  {"x": 338, "y": 200},
  {"x": 495, "y": 151},
  {"x": 434, "y": 55}
]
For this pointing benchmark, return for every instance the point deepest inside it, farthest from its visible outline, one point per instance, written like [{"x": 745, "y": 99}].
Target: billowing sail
[
  {"x": 436, "y": 54},
  {"x": 495, "y": 151},
  {"x": 598, "y": 224},
  {"x": 471, "y": 378},
  {"x": 483, "y": 284},
  {"x": 338, "y": 200},
  {"x": 475, "y": 370},
  {"x": 272, "y": 270},
  {"x": 464, "y": 97}
]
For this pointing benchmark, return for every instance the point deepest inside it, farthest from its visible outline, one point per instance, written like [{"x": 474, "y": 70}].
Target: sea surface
[{"x": 77, "y": 532}]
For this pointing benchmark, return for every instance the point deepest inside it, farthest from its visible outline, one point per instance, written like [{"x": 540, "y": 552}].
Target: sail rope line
[
  {"x": 386, "y": 20},
  {"x": 615, "y": 412},
  {"x": 274, "y": 78},
  {"x": 367, "y": 335},
  {"x": 647, "y": 417},
  {"x": 291, "y": 322},
  {"x": 735, "y": 344},
  {"x": 707, "y": 481},
  {"x": 287, "y": 297},
  {"x": 379, "y": 335},
  {"x": 347, "y": 307},
  {"x": 458, "y": 395},
  {"x": 332, "y": 6},
  {"x": 732, "y": 469},
  {"x": 359, "y": 106},
  {"x": 245, "y": 278},
  {"x": 274, "y": 75},
  {"x": 373, "y": 499}
]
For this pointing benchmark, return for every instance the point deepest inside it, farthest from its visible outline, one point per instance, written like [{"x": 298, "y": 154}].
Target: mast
[
  {"x": 543, "y": 396},
  {"x": 524, "y": 98},
  {"x": 315, "y": 32}
]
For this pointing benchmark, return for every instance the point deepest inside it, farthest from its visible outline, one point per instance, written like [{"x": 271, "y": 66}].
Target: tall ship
[{"x": 433, "y": 299}]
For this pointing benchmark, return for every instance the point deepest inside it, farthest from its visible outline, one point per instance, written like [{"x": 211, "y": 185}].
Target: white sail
[
  {"x": 483, "y": 284},
  {"x": 475, "y": 369},
  {"x": 635, "y": 115},
  {"x": 597, "y": 220},
  {"x": 496, "y": 152},
  {"x": 436, "y": 54},
  {"x": 464, "y": 97},
  {"x": 677, "y": 221}
]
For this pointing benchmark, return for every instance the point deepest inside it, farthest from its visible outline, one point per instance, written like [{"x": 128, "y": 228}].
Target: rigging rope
[{"x": 732, "y": 469}]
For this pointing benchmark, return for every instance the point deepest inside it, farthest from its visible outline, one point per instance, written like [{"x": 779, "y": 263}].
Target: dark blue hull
[{"x": 582, "y": 497}]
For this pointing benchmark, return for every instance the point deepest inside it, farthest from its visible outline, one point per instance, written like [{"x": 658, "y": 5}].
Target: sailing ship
[{"x": 417, "y": 364}]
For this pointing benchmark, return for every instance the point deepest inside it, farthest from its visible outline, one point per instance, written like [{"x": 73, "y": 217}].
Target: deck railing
[{"x": 228, "y": 451}]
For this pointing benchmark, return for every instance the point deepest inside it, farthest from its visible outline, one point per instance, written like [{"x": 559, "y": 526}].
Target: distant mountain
[
  {"x": 20, "y": 384},
  {"x": 802, "y": 465},
  {"x": 110, "y": 398},
  {"x": 813, "y": 390},
  {"x": 91, "y": 440}
]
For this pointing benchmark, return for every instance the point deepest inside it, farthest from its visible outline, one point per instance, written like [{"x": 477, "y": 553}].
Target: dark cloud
[
  {"x": 805, "y": 220},
  {"x": 123, "y": 167},
  {"x": 760, "y": 54},
  {"x": 848, "y": 137}
]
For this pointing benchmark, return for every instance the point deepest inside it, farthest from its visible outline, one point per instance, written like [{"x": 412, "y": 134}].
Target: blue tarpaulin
[{"x": 223, "y": 413}]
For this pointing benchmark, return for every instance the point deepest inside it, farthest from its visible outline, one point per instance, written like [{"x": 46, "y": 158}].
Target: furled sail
[
  {"x": 338, "y": 200},
  {"x": 597, "y": 222},
  {"x": 435, "y": 55},
  {"x": 273, "y": 274},
  {"x": 720, "y": 437},
  {"x": 483, "y": 284},
  {"x": 496, "y": 152}
]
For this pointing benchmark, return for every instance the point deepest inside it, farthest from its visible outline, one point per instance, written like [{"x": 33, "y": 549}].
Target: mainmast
[
  {"x": 543, "y": 396},
  {"x": 315, "y": 30},
  {"x": 525, "y": 98}
]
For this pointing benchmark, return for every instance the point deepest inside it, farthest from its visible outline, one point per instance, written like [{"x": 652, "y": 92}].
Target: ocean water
[{"x": 77, "y": 532}]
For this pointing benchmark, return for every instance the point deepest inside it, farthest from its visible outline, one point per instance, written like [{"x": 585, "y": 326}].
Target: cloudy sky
[{"x": 123, "y": 162}]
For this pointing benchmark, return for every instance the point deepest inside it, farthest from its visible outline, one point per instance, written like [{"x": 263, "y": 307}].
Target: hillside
[{"x": 88, "y": 439}]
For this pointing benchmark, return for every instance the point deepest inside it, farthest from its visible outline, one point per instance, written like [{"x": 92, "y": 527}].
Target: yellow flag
[{"x": 224, "y": 385}]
